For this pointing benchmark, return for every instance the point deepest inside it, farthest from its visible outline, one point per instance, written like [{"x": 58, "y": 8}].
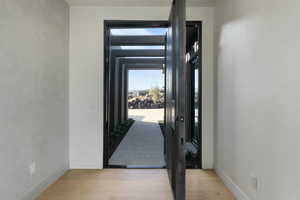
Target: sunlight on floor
[{"x": 143, "y": 144}]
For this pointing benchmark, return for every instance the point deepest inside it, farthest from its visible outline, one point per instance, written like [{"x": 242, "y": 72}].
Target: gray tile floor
[{"x": 143, "y": 144}]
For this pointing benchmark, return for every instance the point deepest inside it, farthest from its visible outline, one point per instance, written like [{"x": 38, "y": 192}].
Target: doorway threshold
[
  {"x": 144, "y": 167},
  {"x": 135, "y": 167}
]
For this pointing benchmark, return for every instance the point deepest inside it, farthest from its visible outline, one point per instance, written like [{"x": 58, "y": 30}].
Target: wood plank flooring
[
  {"x": 205, "y": 185},
  {"x": 133, "y": 184}
]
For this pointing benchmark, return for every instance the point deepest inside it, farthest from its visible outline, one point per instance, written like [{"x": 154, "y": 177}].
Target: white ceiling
[{"x": 136, "y": 2}]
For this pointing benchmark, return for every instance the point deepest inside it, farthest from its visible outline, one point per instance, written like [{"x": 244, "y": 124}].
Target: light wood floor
[
  {"x": 205, "y": 185},
  {"x": 133, "y": 184}
]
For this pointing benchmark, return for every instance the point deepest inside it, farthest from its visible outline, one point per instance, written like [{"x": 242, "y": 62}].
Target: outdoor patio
[{"x": 143, "y": 144}]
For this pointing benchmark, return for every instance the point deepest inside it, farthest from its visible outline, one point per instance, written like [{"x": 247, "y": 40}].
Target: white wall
[
  {"x": 258, "y": 97},
  {"x": 86, "y": 77},
  {"x": 33, "y": 103}
]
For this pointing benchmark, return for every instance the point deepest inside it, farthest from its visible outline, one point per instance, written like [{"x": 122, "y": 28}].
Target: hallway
[
  {"x": 133, "y": 184},
  {"x": 143, "y": 144}
]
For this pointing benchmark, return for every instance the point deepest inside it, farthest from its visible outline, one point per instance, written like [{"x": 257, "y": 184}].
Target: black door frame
[{"x": 108, "y": 24}]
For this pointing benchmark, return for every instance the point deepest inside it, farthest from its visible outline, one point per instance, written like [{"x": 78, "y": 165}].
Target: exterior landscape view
[{"x": 146, "y": 99}]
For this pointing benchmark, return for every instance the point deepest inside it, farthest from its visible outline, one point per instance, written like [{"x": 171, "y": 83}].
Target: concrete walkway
[{"x": 143, "y": 144}]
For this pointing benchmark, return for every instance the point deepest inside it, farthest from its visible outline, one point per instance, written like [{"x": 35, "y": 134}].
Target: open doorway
[
  {"x": 134, "y": 135},
  {"x": 142, "y": 146},
  {"x": 134, "y": 94},
  {"x": 135, "y": 53}
]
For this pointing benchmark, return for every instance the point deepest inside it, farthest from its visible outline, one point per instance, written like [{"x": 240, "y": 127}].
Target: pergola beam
[
  {"x": 141, "y": 60},
  {"x": 138, "y": 53},
  {"x": 140, "y": 40}
]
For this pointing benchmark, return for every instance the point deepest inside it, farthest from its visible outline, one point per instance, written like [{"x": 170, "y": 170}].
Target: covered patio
[{"x": 142, "y": 147}]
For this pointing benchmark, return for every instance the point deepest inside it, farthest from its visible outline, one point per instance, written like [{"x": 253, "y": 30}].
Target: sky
[{"x": 145, "y": 79}]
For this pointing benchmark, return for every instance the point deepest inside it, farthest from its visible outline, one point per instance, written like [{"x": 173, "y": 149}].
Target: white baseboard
[
  {"x": 74, "y": 165},
  {"x": 234, "y": 188},
  {"x": 36, "y": 191}
]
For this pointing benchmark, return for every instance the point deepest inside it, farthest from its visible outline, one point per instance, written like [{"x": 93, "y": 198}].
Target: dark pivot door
[{"x": 176, "y": 98}]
